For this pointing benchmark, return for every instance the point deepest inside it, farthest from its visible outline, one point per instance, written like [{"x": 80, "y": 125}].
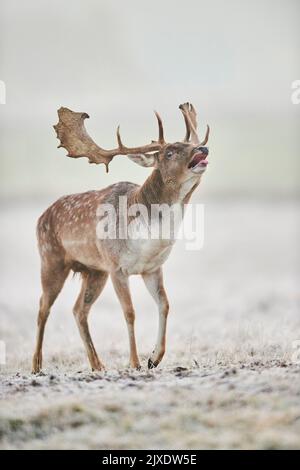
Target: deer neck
[{"x": 157, "y": 191}]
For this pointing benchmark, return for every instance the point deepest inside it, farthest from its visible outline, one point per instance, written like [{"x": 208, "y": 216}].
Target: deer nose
[{"x": 203, "y": 150}]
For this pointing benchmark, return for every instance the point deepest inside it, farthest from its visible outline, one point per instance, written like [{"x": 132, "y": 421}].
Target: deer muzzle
[{"x": 199, "y": 158}]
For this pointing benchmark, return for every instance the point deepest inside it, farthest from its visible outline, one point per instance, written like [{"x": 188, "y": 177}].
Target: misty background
[{"x": 118, "y": 61}]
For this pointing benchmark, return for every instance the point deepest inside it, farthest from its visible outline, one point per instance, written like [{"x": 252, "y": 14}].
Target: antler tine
[
  {"x": 187, "y": 125},
  {"x": 204, "y": 142},
  {"x": 119, "y": 140},
  {"x": 193, "y": 115},
  {"x": 161, "y": 139}
]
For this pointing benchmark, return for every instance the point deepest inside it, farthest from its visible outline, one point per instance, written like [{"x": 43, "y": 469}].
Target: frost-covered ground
[{"x": 230, "y": 377}]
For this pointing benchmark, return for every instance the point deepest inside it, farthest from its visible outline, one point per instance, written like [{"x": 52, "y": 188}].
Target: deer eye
[{"x": 169, "y": 154}]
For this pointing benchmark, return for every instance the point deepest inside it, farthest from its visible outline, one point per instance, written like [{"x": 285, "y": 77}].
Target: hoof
[
  {"x": 135, "y": 367},
  {"x": 151, "y": 364},
  {"x": 36, "y": 364},
  {"x": 98, "y": 368}
]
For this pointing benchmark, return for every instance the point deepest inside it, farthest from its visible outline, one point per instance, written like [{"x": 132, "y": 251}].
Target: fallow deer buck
[{"x": 67, "y": 236}]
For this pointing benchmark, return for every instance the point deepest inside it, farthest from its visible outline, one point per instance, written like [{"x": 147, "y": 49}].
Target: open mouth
[{"x": 199, "y": 160}]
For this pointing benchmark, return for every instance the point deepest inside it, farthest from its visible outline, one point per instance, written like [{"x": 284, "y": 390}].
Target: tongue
[{"x": 196, "y": 160}]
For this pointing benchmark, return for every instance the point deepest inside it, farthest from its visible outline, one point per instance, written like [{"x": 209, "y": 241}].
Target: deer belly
[
  {"x": 144, "y": 256},
  {"x": 84, "y": 252}
]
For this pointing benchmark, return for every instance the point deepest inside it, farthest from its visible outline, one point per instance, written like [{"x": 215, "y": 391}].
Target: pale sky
[{"x": 118, "y": 61}]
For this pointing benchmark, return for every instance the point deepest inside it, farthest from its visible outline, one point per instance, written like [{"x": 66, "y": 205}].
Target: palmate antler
[
  {"x": 74, "y": 138},
  {"x": 190, "y": 119}
]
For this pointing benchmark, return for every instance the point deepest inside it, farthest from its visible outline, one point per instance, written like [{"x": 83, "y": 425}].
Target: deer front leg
[
  {"x": 121, "y": 286},
  {"x": 154, "y": 284}
]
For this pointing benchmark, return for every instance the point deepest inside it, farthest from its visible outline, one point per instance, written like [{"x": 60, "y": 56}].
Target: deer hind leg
[
  {"x": 121, "y": 286},
  {"x": 93, "y": 283},
  {"x": 53, "y": 279},
  {"x": 154, "y": 284}
]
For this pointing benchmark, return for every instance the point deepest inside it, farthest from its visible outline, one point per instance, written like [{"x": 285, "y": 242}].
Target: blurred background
[{"x": 119, "y": 61}]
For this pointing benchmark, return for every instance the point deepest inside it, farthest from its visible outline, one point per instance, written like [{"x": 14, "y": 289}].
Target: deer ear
[{"x": 144, "y": 159}]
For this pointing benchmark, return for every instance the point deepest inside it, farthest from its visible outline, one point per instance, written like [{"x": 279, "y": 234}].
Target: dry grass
[{"x": 228, "y": 380}]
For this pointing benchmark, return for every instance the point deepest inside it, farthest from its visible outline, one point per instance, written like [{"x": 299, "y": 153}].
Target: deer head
[{"x": 176, "y": 161}]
